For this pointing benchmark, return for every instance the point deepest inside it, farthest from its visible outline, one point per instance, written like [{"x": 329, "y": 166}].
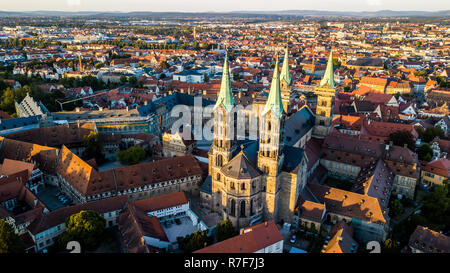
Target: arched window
[
  {"x": 243, "y": 186},
  {"x": 232, "y": 207},
  {"x": 219, "y": 160},
  {"x": 218, "y": 176},
  {"x": 269, "y": 126},
  {"x": 242, "y": 208}
]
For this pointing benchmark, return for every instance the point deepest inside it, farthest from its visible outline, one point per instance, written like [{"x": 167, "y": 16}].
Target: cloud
[{"x": 374, "y": 2}]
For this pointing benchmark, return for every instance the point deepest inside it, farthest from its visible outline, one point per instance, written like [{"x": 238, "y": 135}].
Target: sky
[{"x": 222, "y": 5}]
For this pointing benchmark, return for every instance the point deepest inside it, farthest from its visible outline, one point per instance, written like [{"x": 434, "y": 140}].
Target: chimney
[
  {"x": 77, "y": 109},
  {"x": 100, "y": 108},
  {"x": 240, "y": 94},
  {"x": 145, "y": 102},
  {"x": 127, "y": 109}
]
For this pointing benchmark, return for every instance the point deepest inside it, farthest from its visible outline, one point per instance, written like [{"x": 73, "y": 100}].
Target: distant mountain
[{"x": 380, "y": 13}]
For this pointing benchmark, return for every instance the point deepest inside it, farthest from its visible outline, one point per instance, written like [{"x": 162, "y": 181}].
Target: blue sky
[{"x": 222, "y": 5}]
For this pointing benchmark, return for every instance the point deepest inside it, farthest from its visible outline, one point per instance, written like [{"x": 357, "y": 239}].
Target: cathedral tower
[
  {"x": 325, "y": 101},
  {"x": 270, "y": 144},
  {"x": 285, "y": 83},
  {"x": 224, "y": 142}
]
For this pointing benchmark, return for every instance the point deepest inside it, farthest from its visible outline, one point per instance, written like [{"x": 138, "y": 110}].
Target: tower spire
[
  {"x": 225, "y": 97},
  {"x": 285, "y": 74},
  {"x": 328, "y": 77},
  {"x": 274, "y": 103}
]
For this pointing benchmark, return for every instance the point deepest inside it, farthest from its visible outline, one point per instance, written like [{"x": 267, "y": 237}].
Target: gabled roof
[
  {"x": 159, "y": 202},
  {"x": 428, "y": 240},
  {"x": 342, "y": 241},
  {"x": 363, "y": 207},
  {"x": 439, "y": 166},
  {"x": 253, "y": 239}
]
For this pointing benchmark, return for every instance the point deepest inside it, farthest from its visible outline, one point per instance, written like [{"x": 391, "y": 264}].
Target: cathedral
[{"x": 251, "y": 181}]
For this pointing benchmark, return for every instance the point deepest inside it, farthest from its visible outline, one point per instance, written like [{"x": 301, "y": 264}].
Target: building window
[
  {"x": 242, "y": 208},
  {"x": 219, "y": 160}
]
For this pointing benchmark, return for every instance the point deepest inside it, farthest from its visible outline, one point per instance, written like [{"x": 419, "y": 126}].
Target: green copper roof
[
  {"x": 285, "y": 74},
  {"x": 328, "y": 77},
  {"x": 274, "y": 103},
  {"x": 225, "y": 97}
]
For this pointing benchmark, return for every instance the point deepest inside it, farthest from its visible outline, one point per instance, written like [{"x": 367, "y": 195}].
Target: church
[{"x": 251, "y": 181}]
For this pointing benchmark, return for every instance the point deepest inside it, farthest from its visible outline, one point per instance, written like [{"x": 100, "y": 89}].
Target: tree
[
  {"x": 132, "y": 155},
  {"x": 123, "y": 79},
  {"x": 399, "y": 138},
  {"x": 425, "y": 152},
  {"x": 10, "y": 96},
  {"x": 235, "y": 76},
  {"x": 336, "y": 62},
  {"x": 436, "y": 206},
  {"x": 10, "y": 242},
  {"x": 390, "y": 246},
  {"x": 86, "y": 227},
  {"x": 225, "y": 230},
  {"x": 133, "y": 81},
  {"x": 194, "y": 241},
  {"x": 430, "y": 133},
  {"x": 93, "y": 148},
  {"x": 395, "y": 208}
]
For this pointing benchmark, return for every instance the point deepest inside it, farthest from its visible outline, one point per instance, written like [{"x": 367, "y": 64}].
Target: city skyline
[{"x": 228, "y": 6}]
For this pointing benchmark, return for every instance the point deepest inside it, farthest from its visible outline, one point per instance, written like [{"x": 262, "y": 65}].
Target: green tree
[
  {"x": 10, "y": 96},
  {"x": 436, "y": 206},
  {"x": 399, "y": 138},
  {"x": 395, "y": 208},
  {"x": 123, "y": 79},
  {"x": 132, "y": 155},
  {"x": 194, "y": 241},
  {"x": 93, "y": 148},
  {"x": 225, "y": 230},
  {"x": 133, "y": 81},
  {"x": 390, "y": 246},
  {"x": 425, "y": 152},
  {"x": 336, "y": 62},
  {"x": 9, "y": 240},
  {"x": 86, "y": 227},
  {"x": 430, "y": 133}
]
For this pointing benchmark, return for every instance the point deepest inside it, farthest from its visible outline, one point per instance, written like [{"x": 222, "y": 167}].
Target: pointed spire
[
  {"x": 285, "y": 74},
  {"x": 274, "y": 103},
  {"x": 328, "y": 77},
  {"x": 225, "y": 97}
]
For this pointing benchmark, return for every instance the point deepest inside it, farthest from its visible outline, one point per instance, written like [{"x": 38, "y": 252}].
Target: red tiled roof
[{"x": 255, "y": 238}]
